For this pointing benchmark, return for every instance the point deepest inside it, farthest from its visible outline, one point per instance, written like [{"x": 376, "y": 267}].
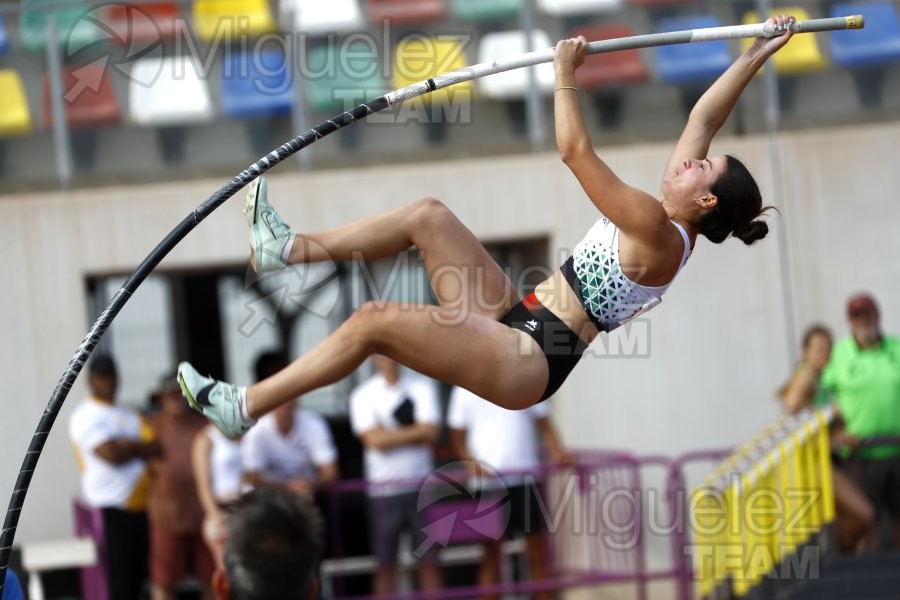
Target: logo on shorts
[{"x": 531, "y": 325}]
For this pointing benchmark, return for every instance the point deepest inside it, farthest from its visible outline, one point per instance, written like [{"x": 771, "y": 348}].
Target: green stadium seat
[
  {"x": 77, "y": 24},
  {"x": 485, "y": 10},
  {"x": 344, "y": 77}
]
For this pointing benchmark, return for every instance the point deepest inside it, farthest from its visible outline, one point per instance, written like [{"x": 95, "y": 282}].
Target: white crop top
[{"x": 609, "y": 297}]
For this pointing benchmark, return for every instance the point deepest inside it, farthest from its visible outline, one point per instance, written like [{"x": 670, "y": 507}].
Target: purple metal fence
[{"x": 595, "y": 515}]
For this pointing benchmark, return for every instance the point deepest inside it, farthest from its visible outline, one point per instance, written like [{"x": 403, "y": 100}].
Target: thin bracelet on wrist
[{"x": 565, "y": 87}]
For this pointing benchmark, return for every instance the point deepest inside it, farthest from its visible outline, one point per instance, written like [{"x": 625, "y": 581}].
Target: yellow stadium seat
[
  {"x": 15, "y": 118},
  {"x": 417, "y": 58},
  {"x": 801, "y": 55},
  {"x": 231, "y": 18}
]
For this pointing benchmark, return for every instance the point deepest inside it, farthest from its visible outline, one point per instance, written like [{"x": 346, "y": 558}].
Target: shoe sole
[
  {"x": 187, "y": 394},
  {"x": 250, "y": 202}
]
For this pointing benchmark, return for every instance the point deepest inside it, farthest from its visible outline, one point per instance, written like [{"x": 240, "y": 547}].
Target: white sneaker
[
  {"x": 268, "y": 233},
  {"x": 218, "y": 401}
]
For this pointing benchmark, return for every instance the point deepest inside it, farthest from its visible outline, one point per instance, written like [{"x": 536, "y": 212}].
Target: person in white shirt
[
  {"x": 506, "y": 441},
  {"x": 112, "y": 444},
  {"x": 218, "y": 474},
  {"x": 397, "y": 418},
  {"x": 292, "y": 447}
]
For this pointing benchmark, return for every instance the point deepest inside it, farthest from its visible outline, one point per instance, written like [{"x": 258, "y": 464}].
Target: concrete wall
[{"x": 717, "y": 343}]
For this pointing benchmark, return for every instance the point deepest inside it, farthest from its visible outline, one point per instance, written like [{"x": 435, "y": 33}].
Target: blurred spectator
[
  {"x": 112, "y": 444},
  {"x": 218, "y": 474},
  {"x": 864, "y": 375},
  {"x": 855, "y": 514},
  {"x": 397, "y": 418},
  {"x": 12, "y": 589},
  {"x": 507, "y": 441},
  {"x": 176, "y": 517},
  {"x": 291, "y": 447},
  {"x": 273, "y": 549}
]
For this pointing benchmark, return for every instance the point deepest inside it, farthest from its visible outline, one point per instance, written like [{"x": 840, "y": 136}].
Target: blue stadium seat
[
  {"x": 255, "y": 85},
  {"x": 258, "y": 86},
  {"x": 691, "y": 63},
  {"x": 877, "y": 45},
  {"x": 691, "y": 66},
  {"x": 868, "y": 52},
  {"x": 4, "y": 39}
]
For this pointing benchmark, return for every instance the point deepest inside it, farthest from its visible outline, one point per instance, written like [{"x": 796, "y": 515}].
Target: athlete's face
[{"x": 692, "y": 179}]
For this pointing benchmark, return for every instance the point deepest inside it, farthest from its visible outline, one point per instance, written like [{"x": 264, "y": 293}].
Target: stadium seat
[
  {"x": 691, "y": 63},
  {"x": 314, "y": 17},
  {"x": 89, "y": 101},
  {"x": 143, "y": 23},
  {"x": 879, "y": 45},
  {"x": 255, "y": 85},
  {"x": 89, "y": 98},
  {"x": 406, "y": 12},
  {"x": 609, "y": 68},
  {"x": 691, "y": 66},
  {"x": 513, "y": 84},
  {"x": 15, "y": 118},
  {"x": 604, "y": 74},
  {"x": 73, "y": 31},
  {"x": 485, "y": 10},
  {"x": 168, "y": 93},
  {"x": 417, "y": 58},
  {"x": 660, "y": 2},
  {"x": 4, "y": 38},
  {"x": 566, "y": 8},
  {"x": 802, "y": 55},
  {"x": 231, "y": 18},
  {"x": 352, "y": 78},
  {"x": 868, "y": 54}
]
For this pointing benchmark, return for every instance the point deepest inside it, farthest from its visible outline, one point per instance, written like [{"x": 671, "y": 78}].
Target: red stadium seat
[
  {"x": 612, "y": 68},
  {"x": 143, "y": 23},
  {"x": 406, "y": 12},
  {"x": 89, "y": 98}
]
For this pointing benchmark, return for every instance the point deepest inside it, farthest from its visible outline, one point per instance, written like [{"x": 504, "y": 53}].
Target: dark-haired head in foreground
[{"x": 273, "y": 549}]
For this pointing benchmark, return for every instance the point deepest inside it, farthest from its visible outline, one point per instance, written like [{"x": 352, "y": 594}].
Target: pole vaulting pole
[{"x": 98, "y": 329}]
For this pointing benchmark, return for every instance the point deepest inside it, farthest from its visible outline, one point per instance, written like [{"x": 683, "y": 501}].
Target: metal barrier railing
[
  {"x": 763, "y": 503},
  {"x": 596, "y": 526}
]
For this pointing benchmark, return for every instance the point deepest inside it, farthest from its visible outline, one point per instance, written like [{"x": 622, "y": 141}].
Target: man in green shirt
[{"x": 864, "y": 376}]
